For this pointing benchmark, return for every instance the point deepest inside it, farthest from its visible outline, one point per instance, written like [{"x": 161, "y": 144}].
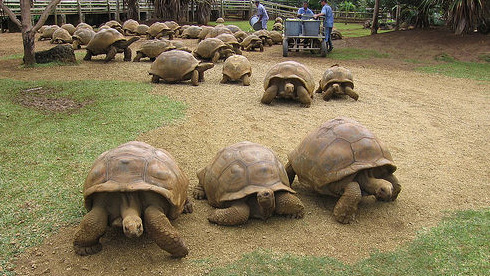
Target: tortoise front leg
[
  {"x": 127, "y": 54},
  {"x": 236, "y": 214},
  {"x": 216, "y": 57},
  {"x": 88, "y": 56},
  {"x": 92, "y": 227},
  {"x": 155, "y": 78},
  {"x": 225, "y": 79},
  {"x": 319, "y": 89},
  {"x": 199, "y": 192},
  {"x": 396, "y": 186},
  {"x": 195, "y": 77},
  {"x": 351, "y": 93},
  {"x": 346, "y": 207},
  {"x": 269, "y": 94},
  {"x": 304, "y": 96},
  {"x": 163, "y": 233},
  {"x": 246, "y": 80},
  {"x": 138, "y": 56},
  {"x": 289, "y": 205},
  {"x": 329, "y": 93},
  {"x": 111, "y": 54}
]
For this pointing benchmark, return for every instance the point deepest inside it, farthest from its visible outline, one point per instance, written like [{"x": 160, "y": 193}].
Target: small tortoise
[
  {"x": 152, "y": 48},
  {"x": 176, "y": 65},
  {"x": 276, "y": 37},
  {"x": 289, "y": 80},
  {"x": 174, "y": 26},
  {"x": 277, "y": 27},
  {"x": 205, "y": 30},
  {"x": 213, "y": 49},
  {"x": 179, "y": 45},
  {"x": 109, "y": 42},
  {"x": 61, "y": 36},
  {"x": 129, "y": 27},
  {"x": 82, "y": 36},
  {"x": 115, "y": 25},
  {"x": 233, "y": 28},
  {"x": 220, "y": 20},
  {"x": 132, "y": 186},
  {"x": 214, "y": 32},
  {"x": 159, "y": 29},
  {"x": 278, "y": 20},
  {"x": 246, "y": 180},
  {"x": 240, "y": 35},
  {"x": 237, "y": 68},
  {"x": 342, "y": 158},
  {"x": 191, "y": 32},
  {"x": 48, "y": 32},
  {"x": 69, "y": 27},
  {"x": 251, "y": 42},
  {"x": 141, "y": 29},
  {"x": 265, "y": 36},
  {"x": 83, "y": 26},
  {"x": 232, "y": 41},
  {"x": 337, "y": 81}
]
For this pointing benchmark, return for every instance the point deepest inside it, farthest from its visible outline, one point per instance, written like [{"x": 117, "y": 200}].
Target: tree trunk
[
  {"x": 374, "y": 26},
  {"x": 132, "y": 9},
  {"x": 203, "y": 10},
  {"x": 28, "y": 40}
]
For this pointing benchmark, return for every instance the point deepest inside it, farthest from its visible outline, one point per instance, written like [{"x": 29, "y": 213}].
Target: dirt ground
[{"x": 436, "y": 127}]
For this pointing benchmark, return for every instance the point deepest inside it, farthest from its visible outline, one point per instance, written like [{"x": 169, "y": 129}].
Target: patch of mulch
[{"x": 46, "y": 99}]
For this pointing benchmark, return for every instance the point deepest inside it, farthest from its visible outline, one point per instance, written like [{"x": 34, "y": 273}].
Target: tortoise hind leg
[
  {"x": 163, "y": 233},
  {"x": 289, "y": 205},
  {"x": 88, "y": 56},
  {"x": 92, "y": 227},
  {"x": 195, "y": 78},
  {"x": 127, "y": 54},
  {"x": 236, "y": 214}
]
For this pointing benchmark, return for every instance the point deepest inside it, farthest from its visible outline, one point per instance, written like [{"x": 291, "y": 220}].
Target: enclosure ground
[{"x": 436, "y": 127}]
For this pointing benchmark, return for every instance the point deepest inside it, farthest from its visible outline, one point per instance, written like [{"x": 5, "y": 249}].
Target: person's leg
[
  {"x": 264, "y": 24},
  {"x": 328, "y": 38}
]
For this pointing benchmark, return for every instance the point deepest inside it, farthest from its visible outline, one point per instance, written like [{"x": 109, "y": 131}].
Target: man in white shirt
[{"x": 262, "y": 14}]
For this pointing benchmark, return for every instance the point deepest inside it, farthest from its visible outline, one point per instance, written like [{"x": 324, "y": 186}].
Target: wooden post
[
  {"x": 108, "y": 9},
  {"x": 80, "y": 15},
  {"x": 117, "y": 12}
]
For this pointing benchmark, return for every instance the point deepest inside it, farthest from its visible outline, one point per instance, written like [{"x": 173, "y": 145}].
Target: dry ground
[{"x": 436, "y": 127}]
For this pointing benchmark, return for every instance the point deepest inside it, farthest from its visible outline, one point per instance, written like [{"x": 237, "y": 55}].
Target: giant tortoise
[{"x": 109, "y": 42}]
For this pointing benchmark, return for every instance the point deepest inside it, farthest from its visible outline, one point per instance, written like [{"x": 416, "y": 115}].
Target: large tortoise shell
[
  {"x": 236, "y": 66},
  {"x": 173, "y": 65},
  {"x": 209, "y": 46},
  {"x": 240, "y": 170},
  {"x": 290, "y": 70},
  {"x": 137, "y": 166},
  {"x": 338, "y": 148},
  {"x": 336, "y": 74},
  {"x": 103, "y": 39}
]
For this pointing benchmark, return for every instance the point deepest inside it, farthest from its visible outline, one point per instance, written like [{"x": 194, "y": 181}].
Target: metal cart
[{"x": 304, "y": 35}]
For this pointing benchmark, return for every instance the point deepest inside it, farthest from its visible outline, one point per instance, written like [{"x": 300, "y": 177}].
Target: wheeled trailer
[{"x": 304, "y": 35}]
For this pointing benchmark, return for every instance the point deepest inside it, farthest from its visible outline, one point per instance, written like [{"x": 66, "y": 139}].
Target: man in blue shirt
[
  {"x": 327, "y": 23},
  {"x": 262, "y": 14},
  {"x": 305, "y": 11}
]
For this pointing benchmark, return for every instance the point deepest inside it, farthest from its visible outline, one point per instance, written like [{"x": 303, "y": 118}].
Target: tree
[
  {"x": 374, "y": 25},
  {"x": 203, "y": 10},
  {"x": 170, "y": 9},
  {"x": 132, "y": 9},
  {"x": 25, "y": 25}
]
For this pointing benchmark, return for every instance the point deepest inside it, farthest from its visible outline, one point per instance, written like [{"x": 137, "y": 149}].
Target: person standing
[
  {"x": 262, "y": 14},
  {"x": 305, "y": 11},
  {"x": 327, "y": 23}
]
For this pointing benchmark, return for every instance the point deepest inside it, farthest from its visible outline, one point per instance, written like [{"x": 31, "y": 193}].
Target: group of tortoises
[{"x": 140, "y": 188}]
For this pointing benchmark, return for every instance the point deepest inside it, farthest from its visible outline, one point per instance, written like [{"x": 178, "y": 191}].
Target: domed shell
[
  {"x": 262, "y": 33},
  {"x": 137, "y": 166},
  {"x": 204, "y": 32},
  {"x": 277, "y": 26},
  {"x": 103, "y": 39},
  {"x": 173, "y": 65},
  {"x": 338, "y": 148},
  {"x": 172, "y": 25},
  {"x": 276, "y": 36},
  {"x": 153, "y": 48},
  {"x": 214, "y": 32},
  {"x": 49, "y": 30},
  {"x": 61, "y": 35},
  {"x": 336, "y": 74},
  {"x": 191, "y": 32},
  {"x": 142, "y": 29},
  {"x": 228, "y": 38},
  {"x": 220, "y": 20},
  {"x": 233, "y": 28},
  {"x": 208, "y": 47},
  {"x": 278, "y": 20},
  {"x": 69, "y": 27},
  {"x": 83, "y": 26},
  {"x": 236, "y": 66},
  {"x": 290, "y": 70},
  {"x": 250, "y": 39},
  {"x": 157, "y": 28},
  {"x": 241, "y": 170},
  {"x": 84, "y": 35},
  {"x": 130, "y": 26},
  {"x": 114, "y": 24}
]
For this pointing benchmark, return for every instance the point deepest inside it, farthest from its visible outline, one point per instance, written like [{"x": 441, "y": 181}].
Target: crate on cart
[{"x": 304, "y": 34}]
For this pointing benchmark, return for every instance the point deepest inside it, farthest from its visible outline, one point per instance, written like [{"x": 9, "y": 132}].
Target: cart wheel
[
  {"x": 285, "y": 47},
  {"x": 323, "y": 48}
]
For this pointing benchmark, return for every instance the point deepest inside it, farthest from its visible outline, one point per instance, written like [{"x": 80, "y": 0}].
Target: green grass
[
  {"x": 460, "y": 245},
  {"x": 459, "y": 69},
  {"x": 45, "y": 155}
]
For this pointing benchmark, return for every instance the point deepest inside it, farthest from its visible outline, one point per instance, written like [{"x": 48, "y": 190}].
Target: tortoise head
[
  {"x": 266, "y": 203},
  {"x": 132, "y": 226},
  {"x": 289, "y": 88}
]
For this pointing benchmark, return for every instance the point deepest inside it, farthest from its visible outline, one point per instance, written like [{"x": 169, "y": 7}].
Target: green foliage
[
  {"x": 458, "y": 246},
  {"x": 459, "y": 69},
  {"x": 46, "y": 155}
]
